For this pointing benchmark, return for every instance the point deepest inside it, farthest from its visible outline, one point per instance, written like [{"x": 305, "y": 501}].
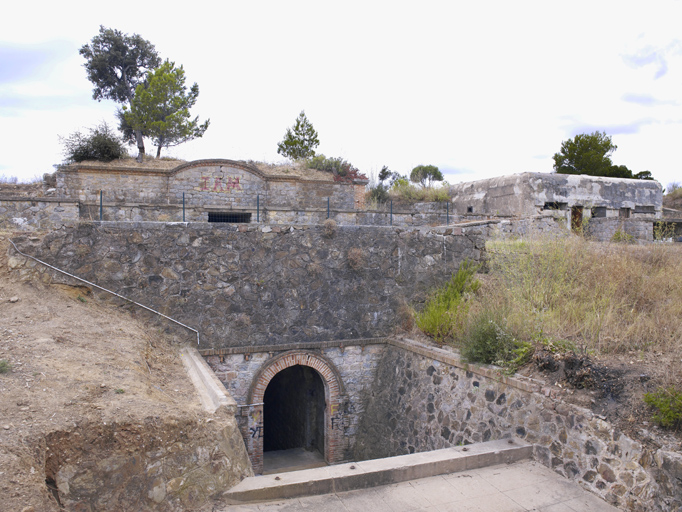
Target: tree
[
  {"x": 299, "y": 141},
  {"x": 585, "y": 154},
  {"x": 101, "y": 144},
  {"x": 160, "y": 108},
  {"x": 425, "y": 175},
  {"x": 116, "y": 64},
  {"x": 591, "y": 155}
]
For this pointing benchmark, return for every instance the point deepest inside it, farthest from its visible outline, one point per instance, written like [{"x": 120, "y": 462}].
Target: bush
[
  {"x": 340, "y": 168},
  {"x": 668, "y": 405},
  {"x": 621, "y": 237},
  {"x": 329, "y": 228},
  {"x": 356, "y": 258},
  {"x": 101, "y": 144},
  {"x": 444, "y": 313},
  {"x": 490, "y": 341},
  {"x": 5, "y": 366}
]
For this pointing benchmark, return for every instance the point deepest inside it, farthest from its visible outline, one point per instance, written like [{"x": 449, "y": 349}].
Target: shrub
[
  {"x": 356, "y": 258},
  {"x": 340, "y": 168},
  {"x": 101, "y": 144},
  {"x": 378, "y": 195},
  {"x": 668, "y": 405},
  {"x": 490, "y": 341},
  {"x": 621, "y": 237},
  {"x": 5, "y": 366},
  {"x": 444, "y": 313},
  {"x": 329, "y": 228}
]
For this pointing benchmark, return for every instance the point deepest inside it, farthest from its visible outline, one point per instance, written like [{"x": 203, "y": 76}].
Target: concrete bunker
[{"x": 294, "y": 402}]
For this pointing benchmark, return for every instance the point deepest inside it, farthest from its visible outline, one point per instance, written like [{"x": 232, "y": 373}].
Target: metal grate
[{"x": 231, "y": 217}]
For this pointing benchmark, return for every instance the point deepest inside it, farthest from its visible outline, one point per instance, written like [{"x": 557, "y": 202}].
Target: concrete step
[{"x": 371, "y": 473}]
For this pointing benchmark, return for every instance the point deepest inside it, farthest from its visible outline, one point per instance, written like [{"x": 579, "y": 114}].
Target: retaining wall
[
  {"x": 248, "y": 285},
  {"x": 425, "y": 398}
]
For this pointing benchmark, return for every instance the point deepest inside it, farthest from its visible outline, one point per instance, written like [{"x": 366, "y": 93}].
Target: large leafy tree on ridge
[
  {"x": 591, "y": 154},
  {"x": 425, "y": 175},
  {"x": 160, "y": 108},
  {"x": 117, "y": 64}
]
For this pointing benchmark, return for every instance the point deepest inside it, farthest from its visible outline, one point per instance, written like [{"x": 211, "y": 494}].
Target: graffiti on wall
[{"x": 219, "y": 184}]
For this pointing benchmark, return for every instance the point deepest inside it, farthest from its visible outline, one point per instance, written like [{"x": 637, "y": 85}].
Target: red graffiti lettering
[
  {"x": 203, "y": 183},
  {"x": 233, "y": 184},
  {"x": 218, "y": 184}
]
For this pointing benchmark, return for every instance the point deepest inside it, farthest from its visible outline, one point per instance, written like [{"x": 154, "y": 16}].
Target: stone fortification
[
  {"x": 257, "y": 285},
  {"x": 221, "y": 185},
  {"x": 424, "y": 399}
]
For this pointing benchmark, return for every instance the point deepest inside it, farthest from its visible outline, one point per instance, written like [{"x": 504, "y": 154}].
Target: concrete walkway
[{"x": 517, "y": 487}]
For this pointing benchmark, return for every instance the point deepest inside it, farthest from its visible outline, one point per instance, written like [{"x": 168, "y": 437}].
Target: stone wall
[
  {"x": 264, "y": 285},
  {"x": 603, "y": 230},
  {"x": 425, "y": 398},
  {"x": 37, "y": 213}
]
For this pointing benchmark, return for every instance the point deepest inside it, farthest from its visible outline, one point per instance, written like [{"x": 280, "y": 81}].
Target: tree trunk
[
  {"x": 140, "y": 145},
  {"x": 158, "y": 152}
]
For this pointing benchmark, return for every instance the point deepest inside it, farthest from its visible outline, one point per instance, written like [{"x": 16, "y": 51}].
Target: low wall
[
  {"x": 603, "y": 229},
  {"x": 37, "y": 213},
  {"x": 425, "y": 398},
  {"x": 260, "y": 285}
]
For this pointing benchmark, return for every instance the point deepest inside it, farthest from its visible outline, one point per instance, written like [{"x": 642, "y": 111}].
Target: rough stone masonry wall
[
  {"x": 37, "y": 213},
  {"x": 603, "y": 229},
  {"x": 263, "y": 285},
  {"x": 425, "y": 399}
]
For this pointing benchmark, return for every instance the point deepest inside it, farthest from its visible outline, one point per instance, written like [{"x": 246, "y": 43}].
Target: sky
[{"x": 479, "y": 89}]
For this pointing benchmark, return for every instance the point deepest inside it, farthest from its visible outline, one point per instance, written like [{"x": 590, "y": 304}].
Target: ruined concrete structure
[{"x": 600, "y": 206}]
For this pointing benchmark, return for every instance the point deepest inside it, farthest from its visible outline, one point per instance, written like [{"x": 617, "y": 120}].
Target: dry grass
[{"x": 601, "y": 297}]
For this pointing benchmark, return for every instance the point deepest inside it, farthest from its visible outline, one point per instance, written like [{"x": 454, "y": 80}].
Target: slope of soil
[{"x": 77, "y": 365}]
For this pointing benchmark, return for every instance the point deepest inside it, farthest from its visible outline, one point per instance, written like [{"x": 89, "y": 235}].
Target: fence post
[
  {"x": 257, "y": 207},
  {"x": 327, "y": 207},
  {"x": 183, "y": 207},
  {"x": 391, "y": 212},
  {"x": 447, "y": 215},
  {"x": 100, "y": 206}
]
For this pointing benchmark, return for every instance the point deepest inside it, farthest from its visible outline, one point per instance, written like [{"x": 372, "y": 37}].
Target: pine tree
[{"x": 299, "y": 141}]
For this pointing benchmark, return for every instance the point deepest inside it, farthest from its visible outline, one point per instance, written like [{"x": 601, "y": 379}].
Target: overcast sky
[{"x": 479, "y": 89}]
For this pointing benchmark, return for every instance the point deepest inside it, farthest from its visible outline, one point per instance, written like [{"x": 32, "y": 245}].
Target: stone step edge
[{"x": 372, "y": 473}]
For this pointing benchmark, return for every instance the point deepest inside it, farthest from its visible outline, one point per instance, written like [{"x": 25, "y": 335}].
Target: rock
[
  {"x": 14, "y": 300},
  {"x": 6, "y": 427}
]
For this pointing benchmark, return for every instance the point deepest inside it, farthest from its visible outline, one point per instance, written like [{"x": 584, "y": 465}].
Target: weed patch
[
  {"x": 668, "y": 405},
  {"x": 445, "y": 312},
  {"x": 5, "y": 366}
]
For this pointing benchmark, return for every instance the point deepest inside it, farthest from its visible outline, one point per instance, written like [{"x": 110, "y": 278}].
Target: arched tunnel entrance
[
  {"x": 297, "y": 402},
  {"x": 293, "y": 411}
]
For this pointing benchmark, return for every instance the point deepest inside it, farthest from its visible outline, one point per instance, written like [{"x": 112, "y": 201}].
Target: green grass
[
  {"x": 668, "y": 405},
  {"x": 445, "y": 311}
]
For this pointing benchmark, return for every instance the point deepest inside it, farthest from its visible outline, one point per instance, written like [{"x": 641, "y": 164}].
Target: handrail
[{"x": 104, "y": 289}]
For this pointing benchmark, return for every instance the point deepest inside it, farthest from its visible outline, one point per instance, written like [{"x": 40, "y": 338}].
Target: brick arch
[{"x": 334, "y": 398}]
